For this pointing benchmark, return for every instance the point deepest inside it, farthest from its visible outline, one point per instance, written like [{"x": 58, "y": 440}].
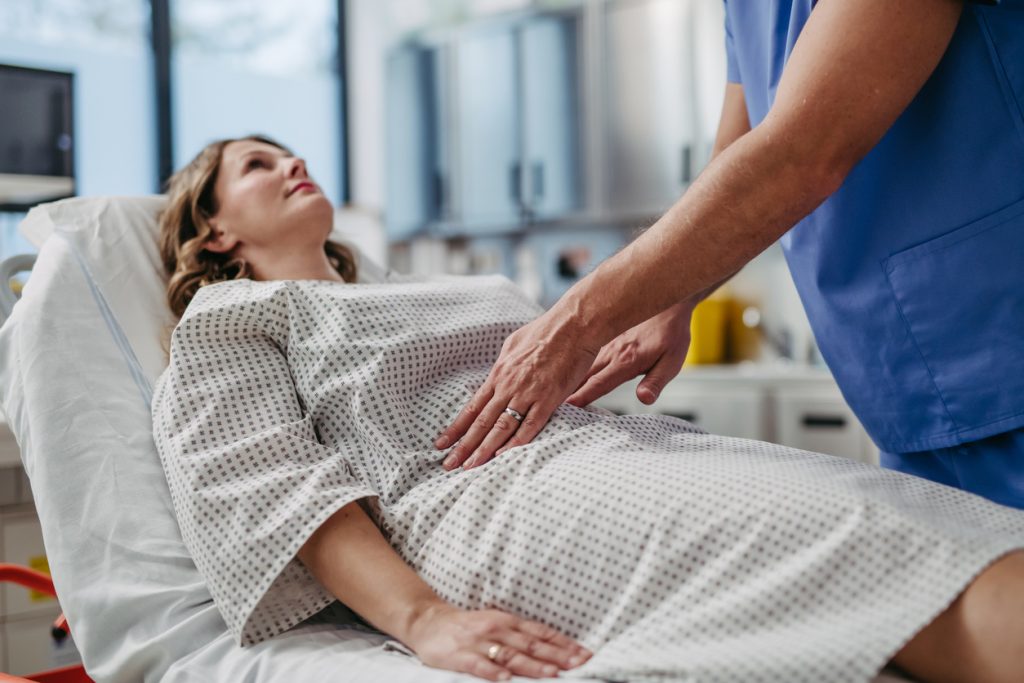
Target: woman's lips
[{"x": 303, "y": 187}]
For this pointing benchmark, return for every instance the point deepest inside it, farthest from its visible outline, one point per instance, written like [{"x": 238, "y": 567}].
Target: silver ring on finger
[
  {"x": 494, "y": 653},
  {"x": 514, "y": 414}
]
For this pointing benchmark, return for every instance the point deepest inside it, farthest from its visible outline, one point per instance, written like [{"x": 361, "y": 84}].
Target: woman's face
[{"x": 266, "y": 202}]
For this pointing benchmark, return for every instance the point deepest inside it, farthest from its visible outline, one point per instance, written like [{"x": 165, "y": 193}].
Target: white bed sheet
[{"x": 77, "y": 359}]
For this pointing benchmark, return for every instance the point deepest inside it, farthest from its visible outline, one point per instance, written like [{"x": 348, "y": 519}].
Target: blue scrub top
[{"x": 912, "y": 273}]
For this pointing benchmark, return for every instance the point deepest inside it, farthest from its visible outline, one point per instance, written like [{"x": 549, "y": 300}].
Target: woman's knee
[{"x": 979, "y": 638}]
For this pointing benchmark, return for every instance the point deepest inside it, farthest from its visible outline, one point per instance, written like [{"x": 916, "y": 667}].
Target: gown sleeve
[{"x": 249, "y": 480}]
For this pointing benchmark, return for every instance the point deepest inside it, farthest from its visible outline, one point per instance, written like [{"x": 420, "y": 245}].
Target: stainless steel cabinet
[
  {"x": 487, "y": 129},
  {"x": 415, "y": 190},
  {"x": 663, "y": 88},
  {"x": 516, "y": 122},
  {"x": 551, "y": 133},
  {"x": 483, "y": 127}
]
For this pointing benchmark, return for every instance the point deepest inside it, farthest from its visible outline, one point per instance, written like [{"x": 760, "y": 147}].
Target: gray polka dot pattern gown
[{"x": 676, "y": 555}]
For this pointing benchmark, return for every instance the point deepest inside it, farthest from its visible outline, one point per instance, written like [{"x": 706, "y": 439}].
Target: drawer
[
  {"x": 30, "y": 648},
  {"x": 823, "y": 424},
  {"x": 23, "y": 545},
  {"x": 728, "y": 411}
]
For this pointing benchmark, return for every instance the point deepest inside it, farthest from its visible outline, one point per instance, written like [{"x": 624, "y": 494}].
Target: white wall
[{"x": 369, "y": 35}]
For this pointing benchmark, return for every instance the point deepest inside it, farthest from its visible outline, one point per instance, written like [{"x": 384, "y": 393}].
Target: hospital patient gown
[{"x": 674, "y": 554}]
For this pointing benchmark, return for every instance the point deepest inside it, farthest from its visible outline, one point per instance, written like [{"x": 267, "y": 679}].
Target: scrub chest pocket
[{"x": 961, "y": 296}]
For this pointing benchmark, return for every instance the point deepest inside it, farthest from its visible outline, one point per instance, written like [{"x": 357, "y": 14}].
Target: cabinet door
[
  {"x": 722, "y": 410},
  {"x": 726, "y": 411},
  {"x": 551, "y": 130},
  {"x": 650, "y": 103},
  {"x": 486, "y": 112},
  {"x": 23, "y": 545},
  {"x": 414, "y": 188},
  {"x": 31, "y": 648},
  {"x": 822, "y": 423}
]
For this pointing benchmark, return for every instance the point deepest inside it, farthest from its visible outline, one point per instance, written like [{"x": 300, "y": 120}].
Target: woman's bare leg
[{"x": 980, "y": 637}]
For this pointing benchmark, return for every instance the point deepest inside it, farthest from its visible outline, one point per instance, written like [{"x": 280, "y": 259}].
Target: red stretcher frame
[{"x": 42, "y": 583}]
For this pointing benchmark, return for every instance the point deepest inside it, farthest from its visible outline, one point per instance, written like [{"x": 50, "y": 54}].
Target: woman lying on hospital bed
[{"x": 296, "y": 420}]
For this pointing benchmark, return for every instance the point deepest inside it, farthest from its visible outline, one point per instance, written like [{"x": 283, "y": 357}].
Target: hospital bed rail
[
  {"x": 42, "y": 583},
  {"x": 10, "y": 267}
]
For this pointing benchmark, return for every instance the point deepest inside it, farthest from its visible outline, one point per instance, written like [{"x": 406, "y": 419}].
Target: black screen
[{"x": 35, "y": 122}]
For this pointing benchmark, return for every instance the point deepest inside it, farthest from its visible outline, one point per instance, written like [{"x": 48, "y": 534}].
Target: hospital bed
[{"x": 79, "y": 355}]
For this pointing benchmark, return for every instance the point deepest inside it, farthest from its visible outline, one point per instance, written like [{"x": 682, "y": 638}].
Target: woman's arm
[{"x": 350, "y": 557}]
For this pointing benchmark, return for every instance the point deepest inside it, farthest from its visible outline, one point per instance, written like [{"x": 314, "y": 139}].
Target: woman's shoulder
[{"x": 236, "y": 299}]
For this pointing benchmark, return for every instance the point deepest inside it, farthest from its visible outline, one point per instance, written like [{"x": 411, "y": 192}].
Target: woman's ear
[{"x": 220, "y": 242}]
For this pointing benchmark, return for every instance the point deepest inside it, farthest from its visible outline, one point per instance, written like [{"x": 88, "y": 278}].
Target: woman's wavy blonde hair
[{"x": 185, "y": 230}]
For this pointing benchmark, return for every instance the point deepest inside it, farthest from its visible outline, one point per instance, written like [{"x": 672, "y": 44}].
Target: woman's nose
[{"x": 296, "y": 168}]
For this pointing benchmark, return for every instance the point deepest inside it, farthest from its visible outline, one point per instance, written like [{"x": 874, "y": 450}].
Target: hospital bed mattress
[{"x": 322, "y": 652}]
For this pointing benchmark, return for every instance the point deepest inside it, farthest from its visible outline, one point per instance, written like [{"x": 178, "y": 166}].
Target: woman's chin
[{"x": 315, "y": 209}]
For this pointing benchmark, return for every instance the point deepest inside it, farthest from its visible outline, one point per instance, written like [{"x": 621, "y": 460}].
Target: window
[
  {"x": 105, "y": 45},
  {"x": 259, "y": 66}
]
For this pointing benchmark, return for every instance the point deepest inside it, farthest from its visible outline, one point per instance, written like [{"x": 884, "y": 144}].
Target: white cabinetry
[
  {"x": 26, "y": 617},
  {"x": 797, "y": 407},
  {"x": 818, "y": 419}
]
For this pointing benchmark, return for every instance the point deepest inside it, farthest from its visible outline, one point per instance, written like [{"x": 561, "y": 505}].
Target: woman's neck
[{"x": 304, "y": 264}]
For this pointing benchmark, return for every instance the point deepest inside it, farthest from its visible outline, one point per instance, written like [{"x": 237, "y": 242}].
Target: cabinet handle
[
  {"x": 440, "y": 194},
  {"x": 515, "y": 182},
  {"x": 538, "y": 180},
  {"x": 824, "y": 421},
  {"x": 687, "y": 164}
]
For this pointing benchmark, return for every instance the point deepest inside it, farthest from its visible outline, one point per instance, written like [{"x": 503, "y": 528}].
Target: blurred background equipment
[{"x": 36, "y": 138}]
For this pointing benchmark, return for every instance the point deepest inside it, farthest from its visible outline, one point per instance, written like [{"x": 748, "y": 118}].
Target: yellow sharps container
[{"x": 708, "y": 329}]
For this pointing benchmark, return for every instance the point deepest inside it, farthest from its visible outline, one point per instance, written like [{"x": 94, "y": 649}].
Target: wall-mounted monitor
[{"x": 36, "y": 138}]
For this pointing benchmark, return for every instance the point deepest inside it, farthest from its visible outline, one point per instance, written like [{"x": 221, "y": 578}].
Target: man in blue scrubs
[{"x": 883, "y": 142}]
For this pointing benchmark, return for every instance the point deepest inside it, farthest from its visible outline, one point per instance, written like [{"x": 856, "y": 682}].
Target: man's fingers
[
  {"x": 600, "y": 363},
  {"x": 657, "y": 378},
  {"x": 477, "y": 432},
  {"x": 504, "y": 428},
  {"x": 465, "y": 418},
  {"x": 600, "y": 384},
  {"x": 531, "y": 426}
]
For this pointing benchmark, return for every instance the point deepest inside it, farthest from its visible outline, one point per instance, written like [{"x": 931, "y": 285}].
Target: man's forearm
[
  {"x": 855, "y": 67},
  {"x": 745, "y": 200}
]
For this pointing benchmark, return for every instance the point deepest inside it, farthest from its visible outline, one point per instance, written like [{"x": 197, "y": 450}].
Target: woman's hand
[
  {"x": 491, "y": 644},
  {"x": 655, "y": 348},
  {"x": 540, "y": 365}
]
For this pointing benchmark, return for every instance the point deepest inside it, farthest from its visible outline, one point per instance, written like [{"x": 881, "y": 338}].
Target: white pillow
[{"x": 116, "y": 240}]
